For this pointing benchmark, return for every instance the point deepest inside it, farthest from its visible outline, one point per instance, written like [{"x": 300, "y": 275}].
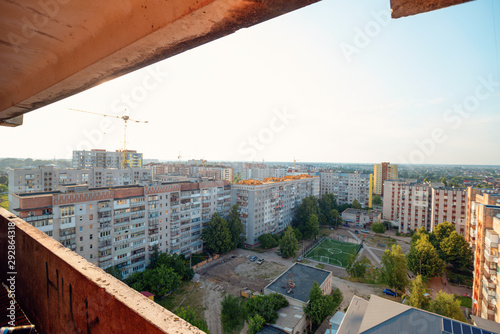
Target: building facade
[
  {"x": 106, "y": 159},
  {"x": 120, "y": 226},
  {"x": 449, "y": 204},
  {"x": 381, "y": 172},
  {"x": 483, "y": 228},
  {"x": 361, "y": 218},
  {"x": 346, "y": 187},
  {"x": 268, "y": 206}
]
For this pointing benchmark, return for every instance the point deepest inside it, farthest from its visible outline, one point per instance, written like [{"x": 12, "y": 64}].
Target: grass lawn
[
  {"x": 465, "y": 301},
  {"x": 4, "y": 201},
  {"x": 194, "y": 298},
  {"x": 333, "y": 252}
]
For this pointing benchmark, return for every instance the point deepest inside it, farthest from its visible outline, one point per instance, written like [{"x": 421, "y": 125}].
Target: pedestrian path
[{"x": 368, "y": 249}]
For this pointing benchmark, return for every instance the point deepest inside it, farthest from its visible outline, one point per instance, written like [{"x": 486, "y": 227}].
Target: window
[
  {"x": 81, "y": 228},
  {"x": 81, "y": 218},
  {"x": 81, "y": 248},
  {"x": 91, "y": 225},
  {"x": 91, "y": 246},
  {"x": 91, "y": 254},
  {"x": 90, "y": 207},
  {"x": 91, "y": 236},
  {"x": 91, "y": 217},
  {"x": 81, "y": 238}
]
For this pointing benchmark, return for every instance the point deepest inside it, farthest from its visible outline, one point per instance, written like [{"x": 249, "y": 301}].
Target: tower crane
[{"x": 125, "y": 119}]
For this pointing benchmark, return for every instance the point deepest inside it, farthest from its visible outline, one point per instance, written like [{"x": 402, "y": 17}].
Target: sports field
[{"x": 333, "y": 252}]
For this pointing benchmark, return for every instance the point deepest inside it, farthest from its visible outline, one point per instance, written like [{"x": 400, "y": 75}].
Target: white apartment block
[
  {"x": 120, "y": 226},
  {"x": 346, "y": 187},
  {"x": 411, "y": 205},
  {"x": 49, "y": 178},
  {"x": 269, "y": 207},
  {"x": 106, "y": 159}
]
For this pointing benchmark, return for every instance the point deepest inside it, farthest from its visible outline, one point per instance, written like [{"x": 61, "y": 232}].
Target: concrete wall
[{"x": 61, "y": 292}]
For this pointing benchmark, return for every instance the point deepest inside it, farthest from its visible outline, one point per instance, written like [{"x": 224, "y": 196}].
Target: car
[
  {"x": 390, "y": 292},
  {"x": 259, "y": 261},
  {"x": 365, "y": 231},
  {"x": 356, "y": 231},
  {"x": 346, "y": 225},
  {"x": 253, "y": 258},
  {"x": 331, "y": 228},
  {"x": 299, "y": 259}
]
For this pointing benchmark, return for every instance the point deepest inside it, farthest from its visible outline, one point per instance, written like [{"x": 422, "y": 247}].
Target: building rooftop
[
  {"x": 380, "y": 316},
  {"x": 269, "y": 180},
  {"x": 303, "y": 276},
  {"x": 362, "y": 212},
  {"x": 288, "y": 317}
]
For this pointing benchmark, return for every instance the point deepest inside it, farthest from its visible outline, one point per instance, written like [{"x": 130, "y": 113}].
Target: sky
[{"x": 336, "y": 81}]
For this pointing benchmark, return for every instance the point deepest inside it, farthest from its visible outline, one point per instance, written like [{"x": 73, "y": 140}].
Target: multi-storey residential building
[
  {"x": 382, "y": 172},
  {"x": 483, "y": 228},
  {"x": 268, "y": 206},
  {"x": 361, "y": 218},
  {"x": 120, "y": 226},
  {"x": 411, "y": 205},
  {"x": 49, "y": 178},
  {"x": 346, "y": 187},
  {"x": 105, "y": 159},
  {"x": 448, "y": 204}
]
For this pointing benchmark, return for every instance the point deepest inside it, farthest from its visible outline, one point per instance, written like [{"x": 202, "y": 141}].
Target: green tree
[
  {"x": 446, "y": 305},
  {"x": 418, "y": 297},
  {"x": 288, "y": 244},
  {"x": 378, "y": 227},
  {"x": 377, "y": 200},
  {"x": 356, "y": 204},
  {"x": 456, "y": 251},
  {"x": 266, "y": 306},
  {"x": 178, "y": 263},
  {"x": 4, "y": 180},
  {"x": 394, "y": 269},
  {"x": 216, "y": 235},
  {"x": 159, "y": 281},
  {"x": 267, "y": 241},
  {"x": 232, "y": 314},
  {"x": 297, "y": 233},
  {"x": 235, "y": 227},
  {"x": 190, "y": 315},
  {"x": 255, "y": 324},
  {"x": 311, "y": 229},
  {"x": 308, "y": 206},
  {"x": 115, "y": 272},
  {"x": 424, "y": 259},
  {"x": 357, "y": 267},
  {"x": 443, "y": 181},
  {"x": 327, "y": 205},
  {"x": 237, "y": 178},
  {"x": 320, "y": 305},
  {"x": 443, "y": 231},
  {"x": 153, "y": 262}
]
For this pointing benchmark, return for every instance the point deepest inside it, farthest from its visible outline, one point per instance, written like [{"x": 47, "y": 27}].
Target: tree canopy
[
  {"x": 443, "y": 231},
  {"x": 320, "y": 305},
  {"x": 233, "y": 313},
  {"x": 190, "y": 315},
  {"x": 267, "y": 241},
  {"x": 311, "y": 229},
  {"x": 356, "y": 204},
  {"x": 235, "y": 227},
  {"x": 288, "y": 243},
  {"x": 456, "y": 251},
  {"x": 216, "y": 235},
  {"x": 266, "y": 306},
  {"x": 424, "y": 259},
  {"x": 378, "y": 227},
  {"x": 446, "y": 305},
  {"x": 418, "y": 297},
  {"x": 357, "y": 267},
  {"x": 394, "y": 271}
]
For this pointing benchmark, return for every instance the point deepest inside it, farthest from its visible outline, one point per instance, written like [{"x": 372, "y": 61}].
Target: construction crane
[{"x": 125, "y": 119}]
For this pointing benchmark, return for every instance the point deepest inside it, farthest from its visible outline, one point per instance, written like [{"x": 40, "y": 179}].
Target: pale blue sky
[{"x": 390, "y": 99}]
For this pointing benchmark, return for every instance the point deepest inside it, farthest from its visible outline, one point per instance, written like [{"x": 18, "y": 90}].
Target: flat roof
[
  {"x": 303, "y": 276},
  {"x": 288, "y": 317}
]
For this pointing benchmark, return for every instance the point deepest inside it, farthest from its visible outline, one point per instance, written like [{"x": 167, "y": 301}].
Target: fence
[{"x": 205, "y": 261}]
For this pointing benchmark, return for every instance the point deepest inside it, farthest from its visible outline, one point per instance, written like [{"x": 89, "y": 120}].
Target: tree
[
  {"x": 327, "y": 205},
  {"x": 153, "y": 262},
  {"x": 443, "y": 181},
  {"x": 4, "y": 180},
  {"x": 442, "y": 231},
  {"x": 424, "y": 259},
  {"x": 232, "y": 314},
  {"x": 216, "y": 235},
  {"x": 267, "y": 241},
  {"x": 311, "y": 229},
  {"x": 394, "y": 269},
  {"x": 178, "y": 263},
  {"x": 115, "y": 272},
  {"x": 159, "y": 281},
  {"x": 266, "y": 306},
  {"x": 320, "y": 305},
  {"x": 255, "y": 324},
  {"x": 235, "y": 227},
  {"x": 378, "y": 227},
  {"x": 377, "y": 200},
  {"x": 357, "y": 267},
  {"x": 456, "y": 251},
  {"x": 446, "y": 305},
  {"x": 297, "y": 233},
  {"x": 308, "y": 206},
  {"x": 288, "y": 244},
  {"x": 190, "y": 315},
  {"x": 418, "y": 297},
  {"x": 356, "y": 204}
]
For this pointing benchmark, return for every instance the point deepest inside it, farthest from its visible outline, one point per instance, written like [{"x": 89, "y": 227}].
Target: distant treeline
[{"x": 18, "y": 163}]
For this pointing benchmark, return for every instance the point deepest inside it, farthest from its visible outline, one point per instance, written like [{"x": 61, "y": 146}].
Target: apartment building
[
  {"x": 120, "y": 226},
  {"x": 449, "y": 204},
  {"x": 483, "y": 228},
  {"x": 383, "y": 171},
  {"x": 346, "y": 187},
  {"x": 361, "y": 218},
  {"x": 50, "y": 178},
  {"x": 410, "y": 205},
  {"x": 268, "y": 206},
  {"x": 107, "y": 159}
]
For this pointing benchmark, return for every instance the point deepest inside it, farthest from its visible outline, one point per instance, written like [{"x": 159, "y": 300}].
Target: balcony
[
  {"x": 489, "y": 283},
  {"x": 489, "y": 271},
  {"x": 106, "y": 303}
]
